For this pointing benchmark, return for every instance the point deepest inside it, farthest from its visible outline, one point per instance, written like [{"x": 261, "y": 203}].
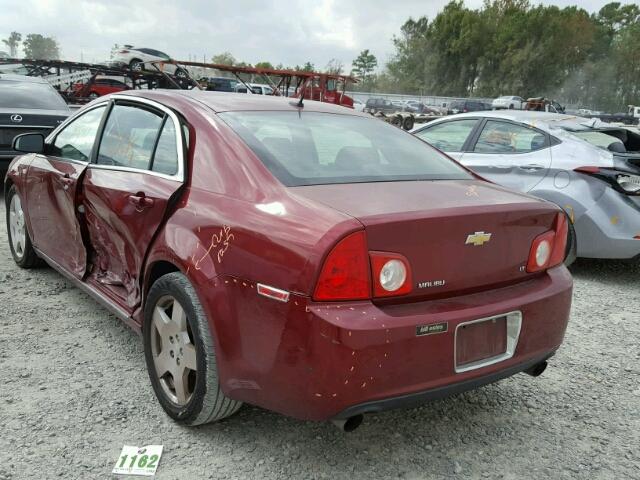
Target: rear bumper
[
  {"x": 319, "y": 361},
  {"x": 608, "y": 228},
  {"x": 419, "y": 398}
]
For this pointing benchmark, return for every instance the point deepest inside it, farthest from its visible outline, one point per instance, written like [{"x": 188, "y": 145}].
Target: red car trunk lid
[{"x": 459, "y": 236}]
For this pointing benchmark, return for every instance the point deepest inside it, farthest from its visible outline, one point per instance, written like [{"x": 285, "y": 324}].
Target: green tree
[
  {"x": 512, "y": 47},
  {"x": 334, "y": 67},
  {"x": 307, "y": 67},
  {"x": 364, "y": 65},
  {"x": 12, "y": 42},
  {"x": 264, "y": 65},
  {"x": 39, "y": 47},
  {"x": 225, "y": 58},
  {"x": 627, "y": 60}
]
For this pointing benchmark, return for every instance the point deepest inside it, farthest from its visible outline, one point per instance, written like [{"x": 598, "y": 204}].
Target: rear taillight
[
  {"x": 391, "y": 274},
  {"x": 345, "y": 274},
  {"x": 587, "y": 169},
  {"x": 350, "y": 270},
  {"x": 549, "y": 249},
  {"x": 624, "y": 182}
]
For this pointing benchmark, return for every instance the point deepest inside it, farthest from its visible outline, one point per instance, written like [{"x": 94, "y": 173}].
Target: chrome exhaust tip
[
  {"x": 537, "y": 369},
  {"x": 348, "y": 424}
]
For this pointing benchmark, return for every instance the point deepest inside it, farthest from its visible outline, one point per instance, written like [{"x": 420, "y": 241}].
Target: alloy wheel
[
  {"x": 18, "y": 231},
  {"x": 173, "y": 351}
]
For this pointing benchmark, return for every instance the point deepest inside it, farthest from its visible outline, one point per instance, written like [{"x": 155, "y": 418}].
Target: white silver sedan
[
  {"x": 589, "y": 168},
  {"x": 508, "y": 102},
  {"x": 140, "y": 59}
]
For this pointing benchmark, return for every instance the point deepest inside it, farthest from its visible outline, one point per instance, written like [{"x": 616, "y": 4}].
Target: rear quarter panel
[{"x": 226, "y": 246}]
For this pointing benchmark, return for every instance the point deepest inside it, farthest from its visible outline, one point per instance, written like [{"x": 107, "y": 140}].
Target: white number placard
[{"x": 138, "y": 460}]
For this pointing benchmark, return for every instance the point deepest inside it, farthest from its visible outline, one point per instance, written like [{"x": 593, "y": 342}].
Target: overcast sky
[{"x": 280, "y": 31}]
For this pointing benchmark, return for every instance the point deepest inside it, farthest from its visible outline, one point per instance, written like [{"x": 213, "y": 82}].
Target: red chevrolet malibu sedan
[{"x": 308, "y": 259}]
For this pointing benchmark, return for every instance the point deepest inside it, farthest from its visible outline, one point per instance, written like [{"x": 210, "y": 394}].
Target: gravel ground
[{"x": 74, "y": 390}]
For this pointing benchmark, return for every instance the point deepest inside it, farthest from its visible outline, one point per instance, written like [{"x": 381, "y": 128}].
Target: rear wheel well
[{"x": 159, "y": 269}]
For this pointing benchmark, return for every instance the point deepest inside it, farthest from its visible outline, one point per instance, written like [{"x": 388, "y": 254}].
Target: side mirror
[{"x": 29, "y": 143}]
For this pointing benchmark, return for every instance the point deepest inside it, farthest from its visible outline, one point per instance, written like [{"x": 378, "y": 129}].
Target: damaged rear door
[{"x": 137, "y": 170}]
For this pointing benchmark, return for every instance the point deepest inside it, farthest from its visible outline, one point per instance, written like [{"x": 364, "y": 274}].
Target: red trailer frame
[{"x": 322, "y": 87}]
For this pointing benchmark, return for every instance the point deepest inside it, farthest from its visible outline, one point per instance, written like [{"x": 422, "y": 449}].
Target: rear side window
[
  {"x": 129, "y": 137},
  {"x": 165, "y": 159},
  {"x": 503, "y": 137},
  {"x": 76, "y": 140},
  {"x": 448, "y": 136},
  {"x": 311, "y": 148}
]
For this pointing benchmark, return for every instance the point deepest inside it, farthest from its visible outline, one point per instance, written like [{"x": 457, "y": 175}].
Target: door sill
[{"x": 93, "y": 291}]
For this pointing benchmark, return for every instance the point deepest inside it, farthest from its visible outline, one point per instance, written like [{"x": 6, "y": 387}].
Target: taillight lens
[
  {"x": 624, "y": 182},
  {"x": 345, "y": 274},
  {"x": 549, "y": 249},
  {"x": 391, "y": 274}
]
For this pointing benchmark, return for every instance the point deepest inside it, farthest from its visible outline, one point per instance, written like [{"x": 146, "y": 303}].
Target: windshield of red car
[
  {"x": 313, "y": 148},
  {"x": 30, "y": 95}
]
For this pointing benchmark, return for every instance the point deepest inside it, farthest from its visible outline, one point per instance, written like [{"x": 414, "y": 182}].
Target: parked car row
[
  {"x": 311, "y": 260},
  {"x": 374, "y": 105},
  {"x": 464, "y": 106},
  {"x": 508, "y": 102}
]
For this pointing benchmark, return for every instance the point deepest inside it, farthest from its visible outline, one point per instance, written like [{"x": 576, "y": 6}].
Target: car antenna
[{"x": 299, "y": 103}]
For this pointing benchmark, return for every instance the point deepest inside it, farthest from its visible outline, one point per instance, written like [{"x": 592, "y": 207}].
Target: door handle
[
  {"x": 532, "y": 167},
  {"x": 141, "y": 201}
]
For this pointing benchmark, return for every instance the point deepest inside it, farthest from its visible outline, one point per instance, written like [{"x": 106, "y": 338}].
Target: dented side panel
[
  {"x": 51, "y": 189},
  {"x": 121, "y": 226}
]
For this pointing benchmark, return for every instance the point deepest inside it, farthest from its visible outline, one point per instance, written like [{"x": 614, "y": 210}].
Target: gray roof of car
[{"x": 533, "y": 118}]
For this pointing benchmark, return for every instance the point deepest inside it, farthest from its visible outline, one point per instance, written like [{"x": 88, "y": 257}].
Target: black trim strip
[
  {"x": 93, "y": 293},
  {"x": 416, "y": 399}
]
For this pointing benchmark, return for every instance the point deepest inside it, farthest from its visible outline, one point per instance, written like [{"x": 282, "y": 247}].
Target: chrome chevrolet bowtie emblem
[
  {"x": 478, "y": 239},
  {"x": 16, "y": 118}
]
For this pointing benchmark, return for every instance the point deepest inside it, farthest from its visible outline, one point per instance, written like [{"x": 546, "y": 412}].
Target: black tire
[
  {"x": 511, "y": 106},
  {"x": 28, "y": 258},
  {"x": 136, "y": 65},
  {"x": 572, "y": 244},
  {"x": 181, "y": 73},
  {"x": 407, "y": 124},
  {"x": 207, "y": 403}
]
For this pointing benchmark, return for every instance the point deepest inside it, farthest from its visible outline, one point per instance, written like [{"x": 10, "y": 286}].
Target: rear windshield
[
  {"x": 321, "y": 148},
  {"x": 598, "y": 139},
  {"x": 30, "y": 95}
]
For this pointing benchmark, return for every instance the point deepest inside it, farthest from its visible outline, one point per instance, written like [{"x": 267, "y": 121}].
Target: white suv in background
[
  {"x": 138, "y": 59},
  {"x": 508, "y": 103}
]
